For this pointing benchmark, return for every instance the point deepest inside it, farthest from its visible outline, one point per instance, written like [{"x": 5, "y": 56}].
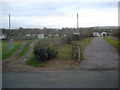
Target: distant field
[
  {"x": 114, "y": 42},
  {"x": 5, "y": 45}
]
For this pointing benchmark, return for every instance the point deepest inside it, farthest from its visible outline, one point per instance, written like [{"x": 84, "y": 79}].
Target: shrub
[
  {"x": 76, "y": 37},
  {"x": 43, "y": 51},
  {"x": 67, "y": 40}
]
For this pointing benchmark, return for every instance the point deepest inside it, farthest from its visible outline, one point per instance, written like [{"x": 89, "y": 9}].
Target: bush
[
  {"x": 76, "y": 37},
  {"x": 43, "y": 51},
  {"x": 67, "y": 40}
]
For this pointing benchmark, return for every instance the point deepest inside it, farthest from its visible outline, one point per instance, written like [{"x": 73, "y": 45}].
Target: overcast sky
[{"x": 59, "y": 14}]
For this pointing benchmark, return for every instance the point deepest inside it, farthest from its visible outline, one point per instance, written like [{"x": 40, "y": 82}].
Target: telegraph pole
[
  {"x": 9, "y": 22},
  {"x": 77, "y": 21}
]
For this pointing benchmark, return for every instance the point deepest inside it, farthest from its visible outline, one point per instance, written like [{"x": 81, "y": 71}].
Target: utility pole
[
  {"x": 9, "y": 22},
  {"x": 77, "y": 21}
]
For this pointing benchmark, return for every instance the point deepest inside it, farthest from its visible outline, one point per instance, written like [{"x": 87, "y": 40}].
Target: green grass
[
  {"x": 24, "y": 50},
  {"x": 114, "y": 42},
  {"x": 65, "y": 51},
  {"x": 5, "y": 53},
  {"x": 50, "y": 39},
  {"x": 84, "y": 43},
  {"x": 33, "y": 62}
]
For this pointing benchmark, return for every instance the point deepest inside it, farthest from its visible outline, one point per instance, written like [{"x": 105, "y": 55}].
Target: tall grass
[
  {"x": 84, "y": 43},
  {"x": 65, "y": 51},
  {"x": 5, "y": 45},
  {"x": 114, "y": 42}
]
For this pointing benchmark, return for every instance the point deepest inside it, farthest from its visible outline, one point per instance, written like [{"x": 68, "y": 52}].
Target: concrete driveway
[{"x": 100, "y": 55}]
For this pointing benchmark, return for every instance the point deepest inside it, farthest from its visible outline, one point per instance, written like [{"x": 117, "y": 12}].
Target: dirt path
[
  {"x": 20, "y": 63},
  {"x": 15, "y": 54},
  {"x": 100, "y": 55}
]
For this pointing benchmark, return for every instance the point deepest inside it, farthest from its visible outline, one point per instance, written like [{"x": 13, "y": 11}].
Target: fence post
[
  {"x": 9, "y": 46},
  {"x": 79, "y": 53},
  {"x": 13, "y": 43}
]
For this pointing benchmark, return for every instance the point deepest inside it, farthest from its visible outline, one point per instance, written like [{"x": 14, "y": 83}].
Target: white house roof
[{"x": 103, "y": 32}]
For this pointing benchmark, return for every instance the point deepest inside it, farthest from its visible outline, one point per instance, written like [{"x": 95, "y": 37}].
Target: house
[
  {"x": 76, "y": 33},
  {"x": 46, "y": 37},
  {"x": 40, "y": 35},
  {"x": 28, "y": 35},
  {"x": 19, "y": 35},
  {"x": 21, "y": 28},
  {"x": 56, "y": 35},
  {"x": 50, "y": 36},
  {"x": 33, "y": 35},
  {"x": 96, "y": 34},
  {"x": 64, "y": 35},
  {"x": 3, "y": 37},
  {"x": 104, "y": 34}
]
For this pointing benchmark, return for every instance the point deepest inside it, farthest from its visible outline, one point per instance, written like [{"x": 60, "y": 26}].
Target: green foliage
[
  {"x": 43, "y": 52},
  {"x": 67, "y": 40},
  {"x": 114, "y": 42},
  {"x": 33, "y": 62},
  {"x": 65, "y": 51},
  {"x": 24, "y": 50},
  {"x": 76, "y": 37},
  {"x": 84, "y": 43},
  {"x": 5, "y": 53}
]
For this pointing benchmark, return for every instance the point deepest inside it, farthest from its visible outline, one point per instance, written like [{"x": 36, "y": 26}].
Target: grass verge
[
  {"x": 24, "y": 50},
  {"x": 84, "y": 43},
  {"x": 33, "y": 62},
  {"x": 114, "y": 42},
  {"x": 5, "y": 53},
  {"x": 64, "y": 52}
]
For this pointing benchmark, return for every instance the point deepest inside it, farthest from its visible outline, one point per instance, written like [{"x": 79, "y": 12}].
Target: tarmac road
[
  {"x": 61, "y": 79},
  {"x": 100, "y": 55}
]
